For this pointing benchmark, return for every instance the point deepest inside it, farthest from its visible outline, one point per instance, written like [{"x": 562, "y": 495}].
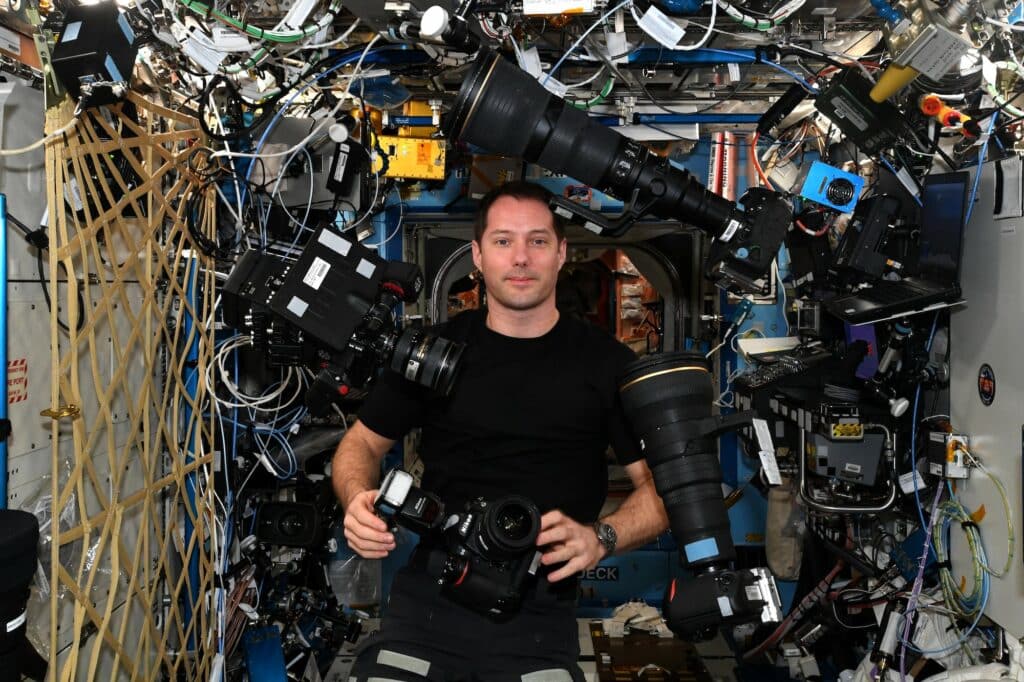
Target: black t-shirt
[{"x": 532, "y": 417}]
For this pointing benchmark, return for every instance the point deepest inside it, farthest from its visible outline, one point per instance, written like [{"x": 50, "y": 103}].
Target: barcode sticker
[
  {"x": 317, "y": 272},
  {"x": 907, "y": 482},
  {"x": 766, "y": 452}
]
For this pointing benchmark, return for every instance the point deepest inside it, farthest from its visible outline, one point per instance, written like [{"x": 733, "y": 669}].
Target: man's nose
[{"x": 520, "y": 253}]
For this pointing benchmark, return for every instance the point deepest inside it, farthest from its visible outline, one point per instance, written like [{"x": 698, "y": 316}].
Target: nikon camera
[{"x": 487, "y": 554}]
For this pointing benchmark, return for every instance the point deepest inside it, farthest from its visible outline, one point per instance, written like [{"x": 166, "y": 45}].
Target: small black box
[
  {"x": 97, "y": 44},
  {"x": 846, "y": 102}
]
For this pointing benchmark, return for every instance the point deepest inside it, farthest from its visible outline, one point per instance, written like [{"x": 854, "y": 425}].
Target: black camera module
[
  {"x": 487, "y": 554},
  {"x": 667, "y": 399},
  {"x": 332, "y": 310}
]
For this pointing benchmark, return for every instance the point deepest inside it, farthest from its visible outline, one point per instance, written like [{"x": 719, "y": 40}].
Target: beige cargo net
[{"x": 130, "y": 564}]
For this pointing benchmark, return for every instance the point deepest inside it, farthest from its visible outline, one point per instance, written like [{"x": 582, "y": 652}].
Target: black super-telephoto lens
[
  {"x": 666, "y": 397},
  {"x": 504, "y": 110}
]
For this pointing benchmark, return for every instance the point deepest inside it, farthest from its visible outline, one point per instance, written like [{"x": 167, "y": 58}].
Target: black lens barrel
[
  {"x": 667, "y": 400},
  {"x": 427, "y": 359},
  {"x": 505, "y": 110}
]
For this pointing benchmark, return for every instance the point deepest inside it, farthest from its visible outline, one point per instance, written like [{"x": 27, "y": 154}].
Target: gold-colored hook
[{"x": 69, "y": 410}]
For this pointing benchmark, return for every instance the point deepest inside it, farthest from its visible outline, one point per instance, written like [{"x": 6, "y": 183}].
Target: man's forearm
[
  {"x": 353, "y": 471},
  {"x": 639, "y": 519}
]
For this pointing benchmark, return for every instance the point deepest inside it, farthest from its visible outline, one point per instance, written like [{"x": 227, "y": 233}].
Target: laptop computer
[{"x": 944, "y": 202}]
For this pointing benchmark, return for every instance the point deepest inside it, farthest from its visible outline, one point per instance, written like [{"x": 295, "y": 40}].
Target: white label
[
  {"x": 16, "y": 623},
  {"x": 297, "y": 306},
  {"x": 72, "y": 195},
  {"x": 197, "y": 48},
  {"x": 845, "y": 110},
  {"x": 557, "y": 6},
  {"x": 936, "y": 51},
  {"x": 10, "y": 41},
  {"x": 730, "y": 230},
  {"x": 907, "y": 482},
  {"x": 766, "y": 452},
  {"x": 71, "y": 32},
  {"x": 618, "y": 47},
  {"x": 852, "y": 468},
  {"x": 339, "y": 167},
  {"x": 365, "y": 268},
  {"x": 317, "y": 273},
  {"x": 529, "y": 61},
  {"x": 230, "y": 41},
  {"x": 734, "y": 72},
  {"x": 725, "y": 607},
  {"x": 554, "y": 86},
  {"x": 753, "y": 592},
  {"x": 335, "y": 242},
  {"x": 657, "y": 25}
]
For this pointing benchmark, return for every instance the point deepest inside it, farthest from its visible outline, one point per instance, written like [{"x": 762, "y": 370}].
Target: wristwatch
[{"x": 607, "y": 536}]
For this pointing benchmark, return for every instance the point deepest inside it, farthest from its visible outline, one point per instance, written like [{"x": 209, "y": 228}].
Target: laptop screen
[{"x": 944, "y": 200}]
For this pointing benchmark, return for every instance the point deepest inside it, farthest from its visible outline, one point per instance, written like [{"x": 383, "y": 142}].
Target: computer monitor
[{"x": 943, "y": 205}]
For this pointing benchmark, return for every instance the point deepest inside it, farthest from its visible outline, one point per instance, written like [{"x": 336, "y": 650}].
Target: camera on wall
[
  {"x": 332, "y": 310},
  {"x": 487, "y": 552}
]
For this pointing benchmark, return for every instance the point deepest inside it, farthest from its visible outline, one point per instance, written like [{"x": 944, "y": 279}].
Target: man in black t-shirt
[{"x": 532, "y": 413}]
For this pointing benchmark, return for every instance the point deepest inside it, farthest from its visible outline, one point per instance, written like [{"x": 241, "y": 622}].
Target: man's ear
[
  {"x": 563, "y": 249},
  {"x": 475, "y": 245}
]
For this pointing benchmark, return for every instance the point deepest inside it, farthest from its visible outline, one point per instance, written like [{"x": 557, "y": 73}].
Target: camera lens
[
  {"x": 506, "y": 111},
  {"x": 665, "y": 398},
  {"x": 427, "y": 359},
  {"x": 510, "y": 525}
]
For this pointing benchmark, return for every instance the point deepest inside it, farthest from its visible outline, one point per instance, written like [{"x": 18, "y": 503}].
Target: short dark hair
[{"x": 517, "y": 189}]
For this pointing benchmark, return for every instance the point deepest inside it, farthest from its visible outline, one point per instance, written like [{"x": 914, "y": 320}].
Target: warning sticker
[{"x": 17, "y": 380}]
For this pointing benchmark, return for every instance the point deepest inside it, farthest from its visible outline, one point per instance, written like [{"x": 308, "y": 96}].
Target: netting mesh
[{"x": 131, "y": 337}]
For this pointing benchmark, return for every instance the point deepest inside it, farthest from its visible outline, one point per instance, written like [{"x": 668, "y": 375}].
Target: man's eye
[
  {"x": 540, "y": 242},
  {"x": 501, "y": 242}
]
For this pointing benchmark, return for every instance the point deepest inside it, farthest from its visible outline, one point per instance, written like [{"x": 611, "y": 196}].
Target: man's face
[{"x": 519, "y": 254}]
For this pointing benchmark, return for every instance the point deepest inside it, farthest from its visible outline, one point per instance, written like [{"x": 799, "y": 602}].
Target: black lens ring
[
  {"x": 460, "y": 118},
  {"x": 495, "y": 536}
]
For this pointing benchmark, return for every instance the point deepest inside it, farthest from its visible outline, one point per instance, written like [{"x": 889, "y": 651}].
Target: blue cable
[
  {"x": 981, "y": 159},
  {"x": 892, "y": 170},
  {"x": 913, "y": 432},
  {"x": 775, "y": 65}
]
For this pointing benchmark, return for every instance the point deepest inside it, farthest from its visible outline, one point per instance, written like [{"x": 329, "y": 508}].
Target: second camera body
[{"x": 487, "y": 552}]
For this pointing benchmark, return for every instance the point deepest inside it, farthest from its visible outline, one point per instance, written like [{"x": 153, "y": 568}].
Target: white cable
[
  {"x": 1003, "y": 24},
  {"x": 40, "y": 142},
  {"x": 707, "y": 33}
]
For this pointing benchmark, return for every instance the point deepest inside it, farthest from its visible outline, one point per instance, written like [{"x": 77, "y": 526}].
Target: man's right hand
[{"x": 367, "y": 534}]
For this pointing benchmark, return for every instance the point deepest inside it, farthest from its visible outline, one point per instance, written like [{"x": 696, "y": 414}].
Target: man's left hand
[{"x": 563, "y": 539}]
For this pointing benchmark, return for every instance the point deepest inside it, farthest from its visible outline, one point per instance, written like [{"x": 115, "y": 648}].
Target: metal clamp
[{"x": 63, "y": 412}]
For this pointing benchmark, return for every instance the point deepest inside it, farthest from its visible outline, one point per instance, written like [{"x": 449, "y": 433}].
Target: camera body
[
  {"x": 332, "y": 310},
  {"x": 694, "y": 608},
  {"x": 486, "y": 555}
]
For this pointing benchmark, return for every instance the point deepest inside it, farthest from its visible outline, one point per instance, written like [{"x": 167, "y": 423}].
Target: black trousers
[{"x": 426, "y": 637}]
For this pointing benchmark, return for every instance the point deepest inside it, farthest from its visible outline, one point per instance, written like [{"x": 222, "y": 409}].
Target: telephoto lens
[
  {"x": 666, "y": 397},
  {"x": 505, "y": 110}
]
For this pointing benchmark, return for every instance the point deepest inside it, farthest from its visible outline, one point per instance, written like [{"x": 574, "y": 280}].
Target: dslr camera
[{"x": 487, "y": 553}]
